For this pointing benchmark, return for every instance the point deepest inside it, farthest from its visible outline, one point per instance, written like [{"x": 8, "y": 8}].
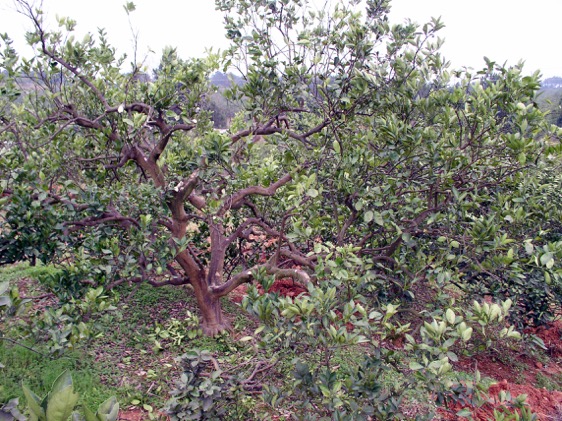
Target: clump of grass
[
  {"x": 553, "y": 382},
  {"x": 24, "y": 270},
  {"x": 38, "y": 372}
]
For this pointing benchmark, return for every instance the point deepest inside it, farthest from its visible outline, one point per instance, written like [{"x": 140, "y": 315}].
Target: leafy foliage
[
  {"x": 9, "y": 411},
  {"x": 321, "y": 327},
  {"x": 73, "y": 322},
  {"x": 200, "y": 394},
  {"x": 356, "y": 123},
  {"x": 359, "y": 165},
  {"x": 59, "y": 404}
]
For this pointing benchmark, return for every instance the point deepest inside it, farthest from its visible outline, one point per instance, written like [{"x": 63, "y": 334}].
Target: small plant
[
  {"x": 10, "y": 411},
  {"x": 10, "y": 301},
  {"x": 489, "y": 319},
  {"x": 107, "y": 411},
  {"x": 472, "y": 331},
  {"x": 199, "y": 394},
  {"x": 61, "y": 401},
  {"x": 513, "y": 409},
  {"x": 553, "y": 382},
  {"x": 73, "y": 322},
  {"x": 316, "y": 329},
  {"x": 175, "y": 332},
  {"x": 66, "y": 284}
]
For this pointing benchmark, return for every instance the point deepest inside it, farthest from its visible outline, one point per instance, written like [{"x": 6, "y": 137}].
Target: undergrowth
[
  {"x": 123, "y": 361},
  {"x": 38, "y": 372}
]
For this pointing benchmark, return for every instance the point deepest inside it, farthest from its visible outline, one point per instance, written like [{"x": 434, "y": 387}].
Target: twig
[
  {"x": 258, "y": 370},
  {"x": 39, "y": 297},
  {"x": 25, "y": 346}
]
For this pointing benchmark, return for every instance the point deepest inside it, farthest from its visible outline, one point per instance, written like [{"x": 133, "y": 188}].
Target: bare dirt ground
[{"x": 520, "y": 373}]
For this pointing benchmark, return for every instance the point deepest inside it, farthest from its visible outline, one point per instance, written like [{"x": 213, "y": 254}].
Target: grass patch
[
  {"x": 24, "y": 270},
  {"x": 38, "y": 372},
  {"x": 144, "y": 303},
  {"x": 553, "y": 382},
  {"x": 127, "y": 347}
]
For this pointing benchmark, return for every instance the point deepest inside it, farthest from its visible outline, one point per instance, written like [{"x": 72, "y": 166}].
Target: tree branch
[
  {"x": 236, "y": 200},
  {"x": 167, "y": 132},
  {"x": 106, "y": 217},
  {"x": 28, "y": 11},
  {"x": 247, "y": 276},
  {"x": 183, "y": 190}
]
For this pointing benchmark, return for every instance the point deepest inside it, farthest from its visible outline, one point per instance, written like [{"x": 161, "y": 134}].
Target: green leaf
[
  {"x": 464, "y": 413},
  {"x": 336, "y": 146},
  {"x": 415, "y": 366},
  {"x": 546, "y": 260},
  {"x": 312, "y": 193},
  {"x": 4, "y": 287},
  {"x": 245, "y": 339},
  {"x": 466, "y": 334},
  {"x": 108, "y": 410},
  {"x": 61, "y": 404},
  {"x": 90, "y": 416},
  {"x": 34, "y": 403},
  {"x": 62, "y": 382},
  {"x": 129, "y": 7},
  {"x": 450, "y": 316},
  {"x": 368, "y": 216}
]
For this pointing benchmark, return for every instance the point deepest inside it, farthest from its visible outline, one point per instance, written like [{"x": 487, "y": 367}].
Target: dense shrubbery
[{"x": 360, "y": 166}]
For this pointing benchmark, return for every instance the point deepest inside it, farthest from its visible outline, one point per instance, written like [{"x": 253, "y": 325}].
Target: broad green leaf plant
[{"x": 60, "y": 402}]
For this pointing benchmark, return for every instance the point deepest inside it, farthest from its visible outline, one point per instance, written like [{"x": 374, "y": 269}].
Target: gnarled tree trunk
[{"x": 213, "y": 321}]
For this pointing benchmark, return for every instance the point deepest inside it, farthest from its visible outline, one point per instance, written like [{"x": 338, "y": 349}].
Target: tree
[{"x": 359, "y": 158}]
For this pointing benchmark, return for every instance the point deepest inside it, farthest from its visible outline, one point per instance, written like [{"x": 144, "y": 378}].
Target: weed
[{"x": 553, "y": 382}]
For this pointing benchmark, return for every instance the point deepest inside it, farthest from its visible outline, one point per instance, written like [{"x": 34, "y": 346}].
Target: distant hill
[
  {"x": 224, "y": 80},
  {"x": 552, "y": 82},
  {"x": 550, "y": 99}
]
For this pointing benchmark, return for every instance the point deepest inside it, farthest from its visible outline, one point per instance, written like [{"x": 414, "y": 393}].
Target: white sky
[{"x": 502, "y": 30}]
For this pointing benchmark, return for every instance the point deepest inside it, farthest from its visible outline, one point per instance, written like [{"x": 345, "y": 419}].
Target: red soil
[
  {"x": 546, "y": 404},
  {"x": 133, "y": 415},
  {"x": 518, "y": 368},
  {"x": 287, "y": 288}
]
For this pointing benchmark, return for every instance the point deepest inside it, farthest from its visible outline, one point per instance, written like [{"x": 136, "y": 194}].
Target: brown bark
[{"x": 213, "y": 321}]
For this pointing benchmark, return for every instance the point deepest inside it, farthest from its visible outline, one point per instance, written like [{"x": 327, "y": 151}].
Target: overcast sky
[{"x": 502, "y": 30}]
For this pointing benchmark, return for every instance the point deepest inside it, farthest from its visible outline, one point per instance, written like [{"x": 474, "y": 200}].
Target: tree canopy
[{"x": 359, "y": 158}]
